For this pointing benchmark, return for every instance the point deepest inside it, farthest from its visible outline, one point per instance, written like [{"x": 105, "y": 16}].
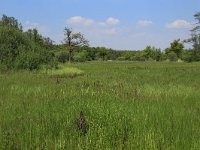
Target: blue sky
[{"x": 118, "y": 24}]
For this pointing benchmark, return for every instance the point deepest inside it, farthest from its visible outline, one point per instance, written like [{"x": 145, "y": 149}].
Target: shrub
[
  {"x": 63, "y": 57},
  {"x": 121, "y": 58},
  {"x": 172, "y": 56},
  {"x": 80, "y": 57},
  {"x": 28, "y": 60},
  {"x": 137, "y": 58}
]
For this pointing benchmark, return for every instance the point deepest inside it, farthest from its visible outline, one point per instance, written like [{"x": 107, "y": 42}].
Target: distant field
[{"x": 127, "y": 105}]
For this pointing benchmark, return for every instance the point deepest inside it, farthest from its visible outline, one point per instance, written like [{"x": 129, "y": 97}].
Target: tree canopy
[{"x": 22, "y": 50}]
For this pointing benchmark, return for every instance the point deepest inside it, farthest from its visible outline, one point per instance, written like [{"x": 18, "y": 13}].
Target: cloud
[
  {"x": 78, "y": 20},
  {"x": 178, "y": 24},
  {"x": 111, "y": 31},
  {"x": 144, "y": 23},
  {"x": 112, "y": 21},
  {"x": 93, "y": 27},
  {"x": 31, "y": 25}
]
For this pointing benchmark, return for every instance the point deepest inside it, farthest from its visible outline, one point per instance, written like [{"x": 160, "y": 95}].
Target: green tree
[
  {"x": 195, "y": 38},
  {"x": 35, "y": 37},
  {"x": 176, "y": 47},
  {"x": 12, "y": 41},
  {"x": 152, "y": 53},
  {"x": 73, "y": 40},
  {"x": 102, "y": 53},
  {"x": 22, "y": 50},
  {"x": 10, "y": 22}
]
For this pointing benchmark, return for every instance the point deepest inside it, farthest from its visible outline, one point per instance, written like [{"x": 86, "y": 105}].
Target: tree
[
  {"x": 176, "y": 47},
  {"x": 102, "y": 52},
  {"x": 23, "y": 50},
  {"x": 10, "y": 22},
  {"x": 74, "y": 40},
  {"x": 152, "y": 53},
  {"x": 35, "y": 37},
  {"x": 195, "y": 38}
]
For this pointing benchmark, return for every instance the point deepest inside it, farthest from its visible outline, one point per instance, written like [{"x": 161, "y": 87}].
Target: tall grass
[{"x": 126, "y": 105}]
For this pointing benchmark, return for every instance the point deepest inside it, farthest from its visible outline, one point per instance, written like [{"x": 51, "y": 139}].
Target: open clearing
[{"x": 127, "y": 105}]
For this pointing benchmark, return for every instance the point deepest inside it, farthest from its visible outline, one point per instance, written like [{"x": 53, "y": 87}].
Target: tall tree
[
  {"x": 73, "y": 40},
  {"x": 10, "y": 22},
  {"x": 195, "y": 38},
  {"x": 175, "y": 47}
]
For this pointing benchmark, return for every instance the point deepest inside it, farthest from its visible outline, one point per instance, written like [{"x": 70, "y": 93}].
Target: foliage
[
  {"x": 187, "y": 55},
  {"x": 172, "y": 56},
  {"x": 152, "y": 53},
  {"x": 121, "y": 58},
  {"x": 73, "y": 40},
  {"x": 176, "y": 47},
  {"x": 10, "y": 22},
  {"x": 12, "y": 41},
  {"x": 81, "y": 56},
  {"x": 102, "y": 53},
  {"x": 63, "y": 57},
  {"x": 23, "y": 50},
  {"x": 195, "y": 39}
]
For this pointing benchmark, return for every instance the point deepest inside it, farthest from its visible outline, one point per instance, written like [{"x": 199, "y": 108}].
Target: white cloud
[
  {"x": 110, "y": 34},
  {"x": 30, "y": 25},
  {"x": 112, "y": 21},
  {"x": 144, "y": 23},
  {"x": 111, "y": 31},
  {"x": 103, "y": 24},
  {"x": 78, "y": 20},
  {"x": 41, "y": 28},
  {"x": 177, "y": 24},
  {"x": 92, "y": 27}
]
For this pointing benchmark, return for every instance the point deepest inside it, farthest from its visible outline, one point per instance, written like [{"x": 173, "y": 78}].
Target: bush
[
  {"x": 29, "y": 61},
  {"x": 63, "y": 57},
  {"x": 121, "y": 58},
  {"x": 80, "y": 57},
  {"x": 18, "y": 51},
  {"x": 172, "y": 56},
  {"x": 137, "y": 58}
]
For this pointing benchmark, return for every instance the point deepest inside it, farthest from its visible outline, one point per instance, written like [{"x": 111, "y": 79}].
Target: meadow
[{"x": 127, "y": 105}]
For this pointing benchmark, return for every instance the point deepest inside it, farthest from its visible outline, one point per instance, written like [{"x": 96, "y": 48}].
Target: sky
[{"x": 117, "y": 24}]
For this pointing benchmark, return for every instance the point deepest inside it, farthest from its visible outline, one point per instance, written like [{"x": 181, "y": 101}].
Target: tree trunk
[{"x": 69, "y": 56}]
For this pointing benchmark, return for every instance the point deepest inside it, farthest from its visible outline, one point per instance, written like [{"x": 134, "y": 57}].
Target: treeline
[
  {"x": 30, "y": 50},
  {"x": 81, "y": 54},
  {"x": 23, "y": 50}
]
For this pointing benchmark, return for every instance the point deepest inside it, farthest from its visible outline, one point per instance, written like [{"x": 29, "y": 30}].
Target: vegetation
[
  {"x": 175, "y": 48},
  {"x": 30, "y": 50},
  {"x": 63, "y": 72},
  {"x": 195, "y": 39},
  {"x": 23, "y": 50},
  {"x": 114, "y": 100},
  {"x": 144, "y": 105},
  {"x": 73, "y": 40}
]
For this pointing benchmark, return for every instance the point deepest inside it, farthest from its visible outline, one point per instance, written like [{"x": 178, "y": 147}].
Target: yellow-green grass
[
  {"x": 64, "y": 71},
  {"x": 127, "y": 105}
]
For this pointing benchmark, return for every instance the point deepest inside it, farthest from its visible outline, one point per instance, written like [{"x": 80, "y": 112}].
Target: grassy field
[{"x": 127, "y": 105}]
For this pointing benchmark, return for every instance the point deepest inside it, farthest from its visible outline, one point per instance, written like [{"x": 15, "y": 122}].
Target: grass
[
  {"x": 63, "y": 72},
  {"x": 127, "y": 105}
]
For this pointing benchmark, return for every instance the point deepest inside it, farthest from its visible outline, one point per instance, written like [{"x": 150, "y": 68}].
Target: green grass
[
  {"x": 63, "y": 72},
  {"x": 127, "y": 105}
]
